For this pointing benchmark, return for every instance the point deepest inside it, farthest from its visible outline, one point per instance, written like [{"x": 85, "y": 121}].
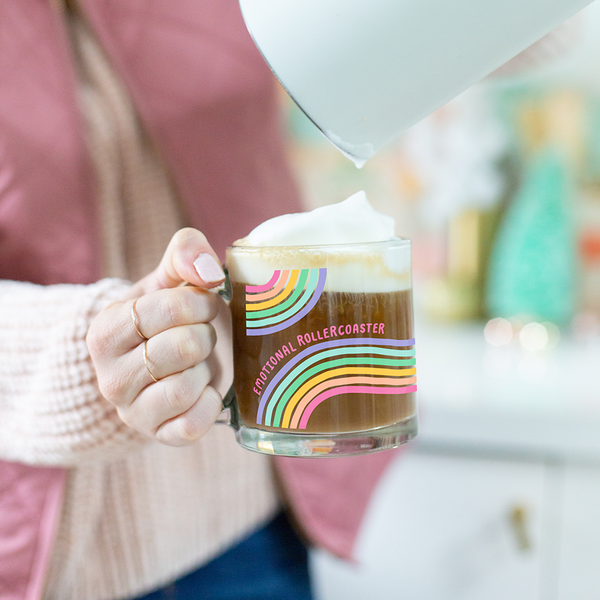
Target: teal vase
[{"x": 533, "y": 263}]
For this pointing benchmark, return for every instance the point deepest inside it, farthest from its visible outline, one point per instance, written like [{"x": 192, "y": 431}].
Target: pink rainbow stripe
[
  {"x": 297, "y": 413},
  {"x": 271, "y": 292},
  {"x": 263, "y": 288},
  {"x": 350, "y": 389}
]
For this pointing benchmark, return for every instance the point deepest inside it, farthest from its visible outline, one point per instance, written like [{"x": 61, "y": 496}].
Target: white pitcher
[{"x": 364, "y": 71}]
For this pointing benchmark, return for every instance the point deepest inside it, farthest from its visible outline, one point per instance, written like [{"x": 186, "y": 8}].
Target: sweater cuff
[{"x": 51, "y": 410}]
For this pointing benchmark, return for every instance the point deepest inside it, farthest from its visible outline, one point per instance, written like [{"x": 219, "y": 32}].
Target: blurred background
[{"x": 499, "y": 192}]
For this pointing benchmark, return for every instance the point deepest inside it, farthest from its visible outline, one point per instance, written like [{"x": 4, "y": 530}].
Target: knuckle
[
  {"x": 102, "y": 336},
  {"x": 112, "y": 388},
  {"x": 194, "y": 424},
  {"x": 211, "y": 305},
  {"x": 188, "y": 348},
  {"x": 125, "y": 416},
  {"x": 188, "y": 431},
  {"x": 131, "y": 419},
  {"x": 187, "y": 235},
  {"x": 174, "y": 433},
  {"x": 178, "y": 308},
  {"x": 178, "y": 395},
  {"x": 210, "y": 337},
  {"x": 212, "y": 397},
  {"x": 203, "y": 372},
  {"x": 194, "y": 344},
  {"x": 169, "y": 439},
  {"x": 97, "y": 341}
]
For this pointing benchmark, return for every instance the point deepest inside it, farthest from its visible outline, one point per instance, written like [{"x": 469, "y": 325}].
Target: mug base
[{"x": 322, "y": 445}]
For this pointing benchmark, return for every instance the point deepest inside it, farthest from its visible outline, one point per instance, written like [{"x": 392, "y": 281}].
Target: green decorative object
[{"x": 533, "y": 264}]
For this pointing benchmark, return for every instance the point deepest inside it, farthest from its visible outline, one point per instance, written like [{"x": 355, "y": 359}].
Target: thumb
[{"x": 188, "y": 258}]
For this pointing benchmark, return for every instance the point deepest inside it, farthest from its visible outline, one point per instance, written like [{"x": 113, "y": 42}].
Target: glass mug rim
[{"x": 400, "y": 241}]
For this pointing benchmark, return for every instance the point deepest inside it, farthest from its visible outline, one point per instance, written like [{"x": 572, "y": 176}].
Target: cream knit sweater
[{"x": 136, "y": 513}]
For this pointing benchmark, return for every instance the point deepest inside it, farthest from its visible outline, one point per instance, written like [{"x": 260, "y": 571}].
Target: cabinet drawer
[
  {"x": 446, "y": 528},
  {"x": 579, "y": 572}
]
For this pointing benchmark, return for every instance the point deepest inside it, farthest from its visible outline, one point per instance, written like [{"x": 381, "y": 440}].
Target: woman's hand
[{"x": 178, "y": 324}]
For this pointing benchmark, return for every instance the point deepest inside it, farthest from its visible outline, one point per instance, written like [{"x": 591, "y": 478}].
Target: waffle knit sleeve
[{"x": 51, "y": 411}]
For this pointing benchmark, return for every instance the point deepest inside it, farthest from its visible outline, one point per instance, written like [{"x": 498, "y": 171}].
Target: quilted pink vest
[{"x": 207, "y": 100}]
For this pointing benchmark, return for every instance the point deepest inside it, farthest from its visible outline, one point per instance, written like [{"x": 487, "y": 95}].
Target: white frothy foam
[
  {"x": 355, "y": 243},
  {"x": 353, "y": 220}
]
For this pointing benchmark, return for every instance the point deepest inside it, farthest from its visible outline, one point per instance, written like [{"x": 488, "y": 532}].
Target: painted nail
[{"x": 208, "y": 268}]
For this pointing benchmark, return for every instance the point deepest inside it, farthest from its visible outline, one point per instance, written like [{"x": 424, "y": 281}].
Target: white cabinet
[
  {"x": 579, "y": 571},
  {"x": 491, "y": 440},
  {"x": 440, "y": 529}
]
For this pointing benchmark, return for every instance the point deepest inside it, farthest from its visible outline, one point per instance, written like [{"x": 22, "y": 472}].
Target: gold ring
[
  {"x": 146, "y": 361},
  {"x": 134, "y": 318}
]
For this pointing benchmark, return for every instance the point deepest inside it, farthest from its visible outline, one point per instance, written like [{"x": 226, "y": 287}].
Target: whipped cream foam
[
  {"x": 354, "y": 242},
  {"x": 353, "y": 220}
]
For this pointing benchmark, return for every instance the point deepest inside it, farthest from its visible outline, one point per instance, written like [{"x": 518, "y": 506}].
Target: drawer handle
[{"x": 519, "y": 521}]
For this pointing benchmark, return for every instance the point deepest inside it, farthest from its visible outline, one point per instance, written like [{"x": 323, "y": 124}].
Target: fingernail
[{"x": 208, "y": 268}]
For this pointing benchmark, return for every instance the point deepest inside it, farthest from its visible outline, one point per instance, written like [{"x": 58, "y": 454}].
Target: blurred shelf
[{"x": 475, "y": 397}]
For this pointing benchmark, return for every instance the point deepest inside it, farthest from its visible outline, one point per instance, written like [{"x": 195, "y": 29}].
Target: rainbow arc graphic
[
  {"x": 285, "y": 299},
  {"x": 328, "y": 369}
]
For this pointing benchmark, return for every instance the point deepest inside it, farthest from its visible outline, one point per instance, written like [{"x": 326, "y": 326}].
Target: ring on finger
[
  {"x": 146, "y": 361},
  {"x": 134, "y": 318}
]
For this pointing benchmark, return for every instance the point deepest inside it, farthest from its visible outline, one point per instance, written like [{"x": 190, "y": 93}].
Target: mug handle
[{"x": 229, "y": 400}]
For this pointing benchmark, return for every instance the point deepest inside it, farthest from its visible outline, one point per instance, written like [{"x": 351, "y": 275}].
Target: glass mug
[{"x": 324, "y": 359}]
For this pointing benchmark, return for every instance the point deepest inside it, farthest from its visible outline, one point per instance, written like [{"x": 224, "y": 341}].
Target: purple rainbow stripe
[
  {"x": 316, "y": 348},
  {"x": 351, "y": 389},
  {"x": 299, "y": 315},
  {"x": 255, "y": 289}
]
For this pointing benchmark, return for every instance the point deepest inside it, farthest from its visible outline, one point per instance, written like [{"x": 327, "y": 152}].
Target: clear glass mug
[{"x": 324, "y": 358}]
